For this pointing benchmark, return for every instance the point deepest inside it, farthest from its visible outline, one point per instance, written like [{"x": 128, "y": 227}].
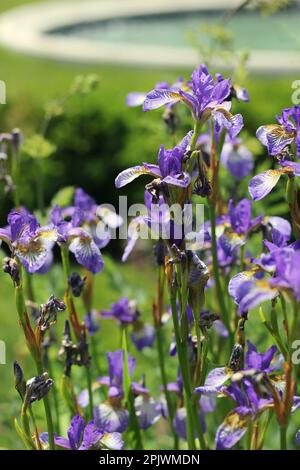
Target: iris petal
[
  {"x": 157, "y": 98},
  {"x": 231, "y": 430},
  {"x": 127, "y": 176},
  {"x": 261, "y": 185}
]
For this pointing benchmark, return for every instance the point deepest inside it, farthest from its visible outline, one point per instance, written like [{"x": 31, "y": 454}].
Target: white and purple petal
[
  {"x": 261, "y": 185},
  {"x": 129, "y": 175}
]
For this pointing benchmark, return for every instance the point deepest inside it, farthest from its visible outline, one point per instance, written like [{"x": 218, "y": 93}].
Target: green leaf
[
  {"x": 38, "y": 147},
  {"x": 27, "y": 442},
  {"x": 63, "y": 197}
]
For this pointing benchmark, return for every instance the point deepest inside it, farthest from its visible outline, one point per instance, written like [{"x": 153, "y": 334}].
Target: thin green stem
[
  {"x": 283, "y": 440},
  {"x": 183, "y": 363},
  {"x": 161, "y": 360},
  {"x": 47, "y": 409},
  {"x": 220, "y": 297},
  {"x": 89, "y": 385},
  {"x": 67, "y": 272},
  {"x": 55, "y": 398},
  {"x": 33, "y": 348}
]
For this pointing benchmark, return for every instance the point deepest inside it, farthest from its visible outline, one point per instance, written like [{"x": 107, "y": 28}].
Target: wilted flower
[
  {"x": 48, "y": 312},
  {"x": 37, "y": 388}
]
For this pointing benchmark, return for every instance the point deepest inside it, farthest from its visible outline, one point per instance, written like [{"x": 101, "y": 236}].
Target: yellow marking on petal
[{"x": 235, "y": 421}]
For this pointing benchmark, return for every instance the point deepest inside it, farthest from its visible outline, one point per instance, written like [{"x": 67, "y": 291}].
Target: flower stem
[
  {"x": 283, "y": 442},
  {"x": 184, "y": 366},
  {"x": 161, "y": 359},
  {"x": 220, "y": 296},
  {"x": 33, "y": 349},
  {"x": 55, "y": 398},
  {"x": 73, "y": 316},
  {"x": 47, "y": 411}
]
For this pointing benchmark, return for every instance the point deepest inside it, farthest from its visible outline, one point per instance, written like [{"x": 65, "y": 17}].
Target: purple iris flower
[
  {"x": 28, "y": 241},
  {"x": 217, "y": 377},
  {"x": 111, "y": 415},
  {"x": 79, "y": 241},
  {"x": 143, "y": 335},
  {"x": 91, "y": 322},
  {"x": 249, "y": 291},
  {"x": 115, "y": 379},
  {"x": 287, "y": 275},
  {"x": 147, "y": 409},
  {"x": 168, "y": 170},
  {"x": 233, "y": 231},
  {"x": 158, "y": 221},
  {"x": 278, "y": 136},
  {"x": 249, "y": 405},
  {"x": 240, "y": 217},
  {"x": 208, "y": 98},
  {"x": 81, "y": 437},
  {"x": 237, "y": 158},
  {"x": 124, "y": 311},
  {"x": 97, "y": 220}
]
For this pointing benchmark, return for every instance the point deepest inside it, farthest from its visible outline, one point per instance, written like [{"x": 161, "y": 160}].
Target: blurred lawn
[{"x": 31, "y": 82}]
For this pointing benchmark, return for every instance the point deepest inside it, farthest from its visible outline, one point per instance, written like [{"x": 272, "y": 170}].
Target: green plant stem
[
  {"x": 220, "y": 297},
  {"x": 36, "y": 355},
  {"x": 283, "y": 441},
  {"x": 184, "y": 367},
  {"x": 47, "y": 408},
  {"x": 197, "y": 129},
  {"x": 129, "y": 398},
  {"x": 89, "y": 386},
  {"x": 55, "y": 398},
  {"x": 67, "y": 272},
  {"x": 161, "y": 360}
]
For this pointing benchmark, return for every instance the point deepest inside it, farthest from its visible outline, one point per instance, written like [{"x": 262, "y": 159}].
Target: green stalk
[
  {"x": 283, "y": 441},
  {"x": 35, "y": 353},
  {"x": 161, "y": 360},
  {"x": 55, "y": 397},
  {"x": 47, "y": 408},
  {"x": 89, "y": 386},
  {"x": 129, "y": 398},
  {"x": 220, "y": 297},
  {"x": 184, "y": 366},
  {"x": 67, "y": 272},
  {"x": 197, "y": 129}
]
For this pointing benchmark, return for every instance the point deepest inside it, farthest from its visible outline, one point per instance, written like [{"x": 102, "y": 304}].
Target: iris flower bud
[
  {"x": 76, "y": 283},
  {"x": 20, "y": 383}
]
